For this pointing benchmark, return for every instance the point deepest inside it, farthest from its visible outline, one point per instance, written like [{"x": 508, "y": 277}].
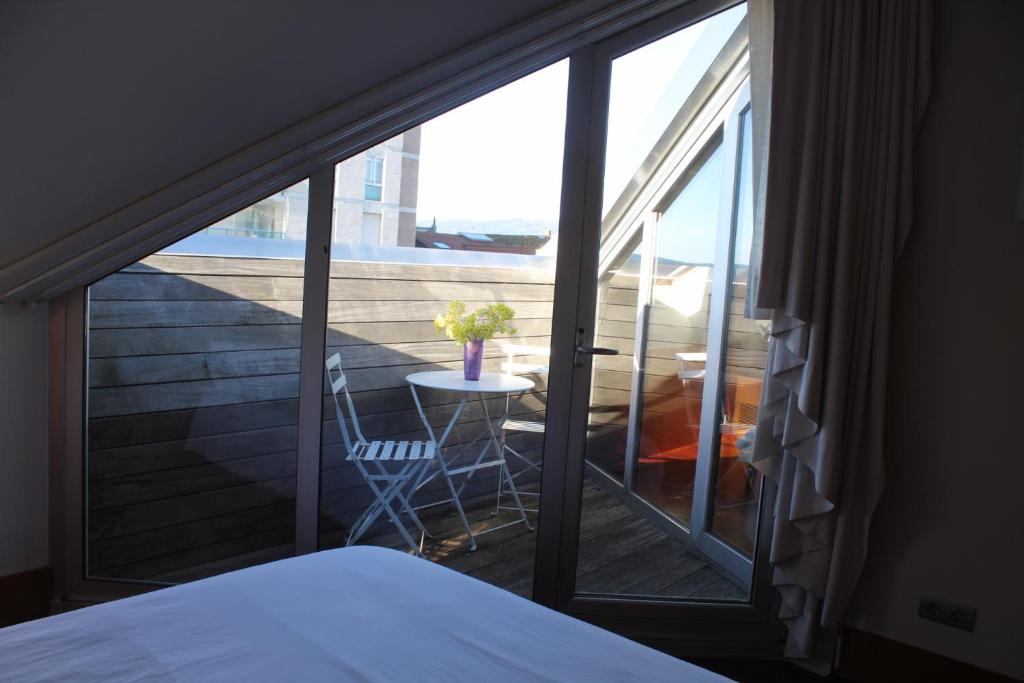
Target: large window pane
[
  {"x": 467, "y": 210},
  {"x": 192, "y": 400},
  {"x": 676, "y": 342},
  {"x": 737, "y": 486},
  {"x": 611, "y": 383},
  {"x": 665, "y": 170}
]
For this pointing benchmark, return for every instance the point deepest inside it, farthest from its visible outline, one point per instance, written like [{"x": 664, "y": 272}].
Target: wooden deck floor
[{"x": 620, "y": 552}]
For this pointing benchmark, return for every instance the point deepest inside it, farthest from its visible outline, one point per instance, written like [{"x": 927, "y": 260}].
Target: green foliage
[{"x": 483, "y": 323}]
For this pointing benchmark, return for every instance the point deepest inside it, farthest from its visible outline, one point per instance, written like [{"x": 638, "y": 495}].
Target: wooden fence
[{"x": 193, "y": 385}]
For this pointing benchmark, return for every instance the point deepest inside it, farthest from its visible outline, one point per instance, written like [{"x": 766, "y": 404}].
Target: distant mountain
[{"x": 508, "y": 226}]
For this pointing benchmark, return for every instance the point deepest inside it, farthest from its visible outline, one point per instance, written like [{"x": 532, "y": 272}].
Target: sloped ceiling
[{"x": 102, "y": 103}]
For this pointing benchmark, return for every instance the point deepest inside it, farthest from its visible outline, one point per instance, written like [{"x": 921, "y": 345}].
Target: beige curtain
[{"x": 849, "y": 81}]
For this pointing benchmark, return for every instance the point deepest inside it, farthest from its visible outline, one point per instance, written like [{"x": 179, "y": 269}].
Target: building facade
[
  {"x": 374, "y": 201},
  {"x": 375, "y": 194}
]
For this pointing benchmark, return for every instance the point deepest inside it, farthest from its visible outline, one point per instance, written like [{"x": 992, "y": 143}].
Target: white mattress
[{"x": 358, "y": 614}]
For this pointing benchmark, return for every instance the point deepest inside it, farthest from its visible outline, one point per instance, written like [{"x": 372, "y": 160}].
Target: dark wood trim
[
  {"x": 868, "y": 657},
  {"x": 57, "y": 426},
  {"x": 67, "y": 405},
  {"x": 25, "y": 596}
]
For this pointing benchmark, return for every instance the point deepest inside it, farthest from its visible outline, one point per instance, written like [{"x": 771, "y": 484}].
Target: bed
[{"x": 356, "y": 614}]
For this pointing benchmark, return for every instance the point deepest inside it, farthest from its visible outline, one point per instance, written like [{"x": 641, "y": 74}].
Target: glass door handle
[{"x": 597, "y": 351}]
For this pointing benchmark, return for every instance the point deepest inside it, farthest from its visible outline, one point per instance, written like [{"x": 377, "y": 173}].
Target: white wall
[
  {"x": 951, "y": 522},
  {"x": 23, "y": 446}
]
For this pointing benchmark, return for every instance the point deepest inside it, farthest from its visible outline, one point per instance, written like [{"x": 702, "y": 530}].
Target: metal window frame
[
  {"x": 68, "y": 416},
  {"x": 315, "y": 290},
  {"x": 68, "y": 394},
  {"x": 711, "y": 116},
  {"x": 705, "y": 540},
  {"x": 703, "y": 123},
  {"x": 707, "y": 628},
  {"x": 627, "y": 24}
]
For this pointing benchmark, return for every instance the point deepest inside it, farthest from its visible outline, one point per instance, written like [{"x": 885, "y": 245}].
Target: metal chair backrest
[
  {"x": 339, "y": 383},
  {"x": 511, "y": 367}
]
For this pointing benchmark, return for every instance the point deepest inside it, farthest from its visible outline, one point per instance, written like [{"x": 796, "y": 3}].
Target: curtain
[{"x": 849, "y": 80}]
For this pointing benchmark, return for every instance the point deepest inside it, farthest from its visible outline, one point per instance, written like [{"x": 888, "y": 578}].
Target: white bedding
[{"x": 358, "y": 614}]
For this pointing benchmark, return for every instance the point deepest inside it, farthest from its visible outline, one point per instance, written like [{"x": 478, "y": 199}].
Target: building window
[
  {"x": 266, "y": 219},
  {"x": 374, "y": 184}
]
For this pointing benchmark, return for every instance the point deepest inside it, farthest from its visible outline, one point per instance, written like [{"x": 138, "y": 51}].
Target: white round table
[
  {"x": 453, "y": 380},
  {"x": 513, "y": 387}
]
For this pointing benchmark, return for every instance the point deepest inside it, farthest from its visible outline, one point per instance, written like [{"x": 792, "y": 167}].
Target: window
[
  {"x": 193, "y": 354},
  {"x": 394, "y": 269},
  {"x": 280, "y": 216},
  {"x": 374, "y": 183},
  {"x": 194, "y": 461},
  {"x": 676, "y": 198},
  {"x": 193, "y": 361}
]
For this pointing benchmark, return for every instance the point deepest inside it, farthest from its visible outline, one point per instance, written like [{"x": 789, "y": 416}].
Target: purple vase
[{"x": 472, "y": 359}]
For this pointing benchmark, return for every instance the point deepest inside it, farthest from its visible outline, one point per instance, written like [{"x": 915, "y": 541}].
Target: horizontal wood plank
[
  {"x": 116, "y": 314},
  {"x": 155, "y": 341},
  {"x": 218, "y": 265},
  {"x": 128, "y": 286},
  {"x": 123, "y": 371}
]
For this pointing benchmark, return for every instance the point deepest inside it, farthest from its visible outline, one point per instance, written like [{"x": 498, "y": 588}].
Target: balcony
[{"x": 193, "y": 413}]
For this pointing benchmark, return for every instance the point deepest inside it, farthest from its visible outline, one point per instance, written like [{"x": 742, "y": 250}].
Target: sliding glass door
[{"x": 669, "y": 355}]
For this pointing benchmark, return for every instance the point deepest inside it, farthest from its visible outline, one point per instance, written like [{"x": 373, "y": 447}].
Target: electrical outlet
[{"x": 947, "y": 612}]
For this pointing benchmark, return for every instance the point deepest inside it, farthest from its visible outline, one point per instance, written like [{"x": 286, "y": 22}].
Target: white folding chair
[
  {"x": 513, "y": 367},
  {"x": 405, "y": 458}
]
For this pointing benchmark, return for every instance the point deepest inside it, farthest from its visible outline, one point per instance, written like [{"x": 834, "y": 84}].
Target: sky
[
  {"x": 499, "y": 157},
  {"x": 640, "y": 106},
  {"x": 687, "y": 229}
]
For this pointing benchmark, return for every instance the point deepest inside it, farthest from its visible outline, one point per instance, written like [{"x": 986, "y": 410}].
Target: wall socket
[{"x": 947, "y": 612}]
